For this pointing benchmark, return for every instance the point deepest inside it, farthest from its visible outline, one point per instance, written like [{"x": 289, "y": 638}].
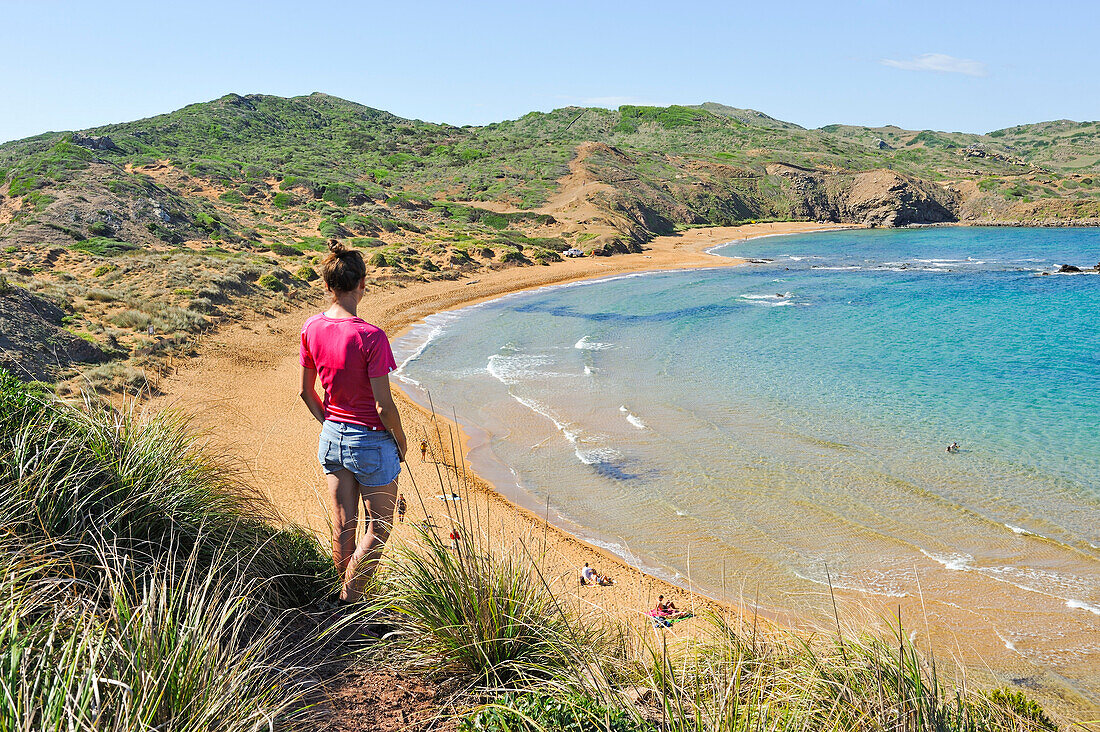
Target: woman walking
[{"x": 362, "y": 443}]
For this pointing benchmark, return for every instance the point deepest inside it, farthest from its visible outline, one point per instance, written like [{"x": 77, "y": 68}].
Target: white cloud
[{"x": 940, "y": 62}]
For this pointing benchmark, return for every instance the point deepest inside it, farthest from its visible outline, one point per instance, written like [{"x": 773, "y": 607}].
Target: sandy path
[{"x": 242, "y": 391}]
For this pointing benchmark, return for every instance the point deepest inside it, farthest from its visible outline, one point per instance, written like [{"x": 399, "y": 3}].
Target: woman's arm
[
  {"x": 387, "y": 411},
  {"x": 308, "y": 393}
]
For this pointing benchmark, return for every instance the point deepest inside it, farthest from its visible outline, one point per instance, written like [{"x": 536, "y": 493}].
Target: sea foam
[{"x": 584, "y": 344}]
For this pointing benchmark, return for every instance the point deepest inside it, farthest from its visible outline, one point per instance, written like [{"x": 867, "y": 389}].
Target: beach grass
[
  {"x": 142, "y": 586},
  {"x": 476, "y": 612}
]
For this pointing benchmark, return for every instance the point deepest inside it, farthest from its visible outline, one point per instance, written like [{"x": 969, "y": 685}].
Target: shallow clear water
[{"x": 749, "y": 427}]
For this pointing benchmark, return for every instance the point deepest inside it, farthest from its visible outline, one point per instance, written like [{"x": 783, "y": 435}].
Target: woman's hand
[{"x": 387, "y": 412}]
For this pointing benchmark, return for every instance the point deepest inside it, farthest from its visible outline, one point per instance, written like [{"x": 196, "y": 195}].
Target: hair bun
[{"x": 337, "y": 248}]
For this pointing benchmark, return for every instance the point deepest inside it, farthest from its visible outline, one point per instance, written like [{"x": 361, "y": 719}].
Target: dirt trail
[
  {"x": 242, "y": 391},
  {"x": 573, "y": 204}
]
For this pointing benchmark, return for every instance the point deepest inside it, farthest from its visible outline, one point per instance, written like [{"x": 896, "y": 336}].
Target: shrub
[
  {"x": 1021, "y": 706},
  {"x": 367, "y": 241},
  {"x": 232, "y": 196},
  {"x": 102, "y": 247},
  {"x": 537, "y": 712},
  {"x": 113, "y": 377},
  {"x": 99, "y": 295},
  {"x": 283, "y": 200},
  {"x": 207, "y": 222},
  {"x": 514, "y": 255},
  {"x": 331, "y": 229},
  {"x": 307, "y": 273},
  {"x": 487, "y": 252},
  {"x": 175, "y": 320},
  {"x": 337, "y": 194},
  {"x": 496, "y": 221},
  {"x": 283, "y": 250},
  {"x": 378, "y": 259},
  {"x": 429, "y": 265},
  {"x": 202, "y": 305},
  {"x": 100, "y": 228},
  {"x": 103, "y": 269},
  {"x": 545, "y": 256},
  {"x": 229, "y": 282},
  {"x": 133, "y": 319},
  {"x": 270, "y": 281}
]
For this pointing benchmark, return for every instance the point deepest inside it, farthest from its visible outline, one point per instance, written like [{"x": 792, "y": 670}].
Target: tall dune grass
[
  {"x": 477, "y": 612},
  {"x": 81, "y": 477},
  {"x": 141, "y": 585}
]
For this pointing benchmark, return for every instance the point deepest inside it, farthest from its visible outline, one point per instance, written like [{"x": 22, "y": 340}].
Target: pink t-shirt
[{"x": 346, "y": 353}]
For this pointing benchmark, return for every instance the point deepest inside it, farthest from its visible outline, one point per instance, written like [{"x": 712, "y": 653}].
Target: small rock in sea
[{"x": 1069, "y": 268}]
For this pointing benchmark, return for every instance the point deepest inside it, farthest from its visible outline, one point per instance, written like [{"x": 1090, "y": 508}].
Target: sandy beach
[{"x": 242, "y": 392}]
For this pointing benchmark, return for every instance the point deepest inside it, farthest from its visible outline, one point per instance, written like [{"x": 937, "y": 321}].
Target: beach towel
[{"x": 662, "y": 621}]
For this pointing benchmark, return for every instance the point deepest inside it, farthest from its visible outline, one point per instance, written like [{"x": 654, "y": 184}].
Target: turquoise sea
[{"x": 755, "y": 431}]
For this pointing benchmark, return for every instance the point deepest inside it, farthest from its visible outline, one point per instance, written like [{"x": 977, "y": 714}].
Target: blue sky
[{"x": 970, "y": 66}]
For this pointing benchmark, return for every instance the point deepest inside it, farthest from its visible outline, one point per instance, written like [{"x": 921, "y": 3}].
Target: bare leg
[
  {"x": 343, "y": 492},
  {"x": 378, "y": 506}
]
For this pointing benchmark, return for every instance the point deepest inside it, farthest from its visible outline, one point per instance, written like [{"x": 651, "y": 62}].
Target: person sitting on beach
[
  {"x": 666, "y": 608},
  {"x": 588, "y": 575},
  {"x": 362, "y": 443}
]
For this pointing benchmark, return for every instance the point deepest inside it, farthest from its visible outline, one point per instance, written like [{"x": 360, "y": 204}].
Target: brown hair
[{"x": 342, "y": 268}]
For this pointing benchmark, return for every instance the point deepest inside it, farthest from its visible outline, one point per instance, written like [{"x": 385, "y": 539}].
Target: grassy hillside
[{"x": 164, "y": 221}]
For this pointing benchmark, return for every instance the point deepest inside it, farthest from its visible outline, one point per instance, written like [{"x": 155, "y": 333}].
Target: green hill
[{"x": 163, "y": 221}]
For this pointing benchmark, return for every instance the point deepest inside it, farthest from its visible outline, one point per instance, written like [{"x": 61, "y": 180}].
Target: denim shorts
[{"x": 370, "y": 455}]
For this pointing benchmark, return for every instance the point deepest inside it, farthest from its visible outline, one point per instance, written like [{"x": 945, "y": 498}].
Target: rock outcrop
[
  {"x": 887, "y": 198},
  {"x": 92, "y": 142}
]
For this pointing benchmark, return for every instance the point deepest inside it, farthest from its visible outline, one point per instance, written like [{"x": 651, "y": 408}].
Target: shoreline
[
  {"x": 606, "y": 544},
  {"x": 244, "y": 389},
  {"x": 698, "y": 244},
  {"x": 241, "y": 392}
]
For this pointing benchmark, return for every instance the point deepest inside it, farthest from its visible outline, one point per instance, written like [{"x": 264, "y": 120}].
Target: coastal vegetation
[
  {"x": 145, "y": 586},
  {"x": 176, "y": 217}
]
